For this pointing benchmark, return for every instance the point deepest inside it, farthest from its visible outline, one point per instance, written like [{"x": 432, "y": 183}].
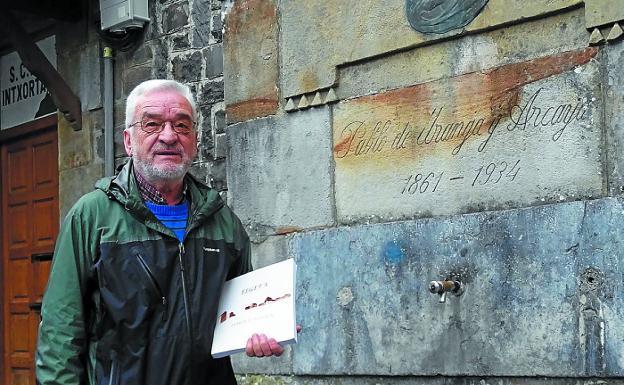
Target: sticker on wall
[{"x": 441, "y": 16}]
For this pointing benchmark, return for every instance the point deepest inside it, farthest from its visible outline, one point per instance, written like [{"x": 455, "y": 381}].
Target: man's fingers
[
  {"x": 298, "y": 328},
  {"x": 249, "y": 348},
  {"x": 276, "y": 348},
  {"x": 264, "y": 345},
  {"x": 259, "y": 345},
  {"x": 256, "y": 345}
]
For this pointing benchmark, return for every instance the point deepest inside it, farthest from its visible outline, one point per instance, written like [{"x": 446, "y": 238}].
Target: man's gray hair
[{"x": 157, "y": 85}]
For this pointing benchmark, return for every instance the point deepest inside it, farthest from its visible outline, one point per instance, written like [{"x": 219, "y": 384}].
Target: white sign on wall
[{"x": 23, "y": 97}]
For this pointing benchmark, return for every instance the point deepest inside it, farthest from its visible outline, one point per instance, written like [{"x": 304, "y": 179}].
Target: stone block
[
  {"x": 279, "y": 172},
  {"x": 180, "y": 42},
  {"x": 219, "y": 121},
  {"x": 217, "y": 175},
  {"x": 213, "y": 56},
  {"x": 200, "y": 171},
  {"x": 96, "y": 127},
  {"x": 86, "y": 83},
  {"x": 160, "y": 60},
  {"x": 210, "y": 93},
  {"x": 186, "y": 68},
  {"x": 220, "y": 150},
  {"x": 369, "y": 29},
  {"x": 614, "y": 115},
  {"x": 207, "y": 145},
  {"x": 250, "y": 60},
  {"x": 154, "y": 29},
  {"x": 204, "y": 113},
  {"x": 480, "y": 141},
  {"x": 216, "y": 5},
  {"x": 133, "y": 76},
  {"x": 175, "y": 16},
  {"x": 75, "y": 182},
  {"x": 543, "y": 295},
  {"x": 216, "y": 27},
  {"x": 75, "y": 147},
  {"x": 603, "y": 12},
  {"x": 119, "y": 68},
  {"x": 143, "y": 54},
  {"x": 200, "y": 14},
  {"x": 119, "y": 117},
  {"x": 530, "y": 40},
  {"x": 90, "y": 90}
]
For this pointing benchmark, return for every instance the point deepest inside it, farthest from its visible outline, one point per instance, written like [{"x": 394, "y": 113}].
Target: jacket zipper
[
  {"x": 184, "y": 292},
  {"x": 154, "y": 283},
  {"x": 112, "y": 379}
]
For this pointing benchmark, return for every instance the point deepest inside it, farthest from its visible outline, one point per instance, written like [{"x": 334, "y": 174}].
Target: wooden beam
[{"x": 36, "y": 62}]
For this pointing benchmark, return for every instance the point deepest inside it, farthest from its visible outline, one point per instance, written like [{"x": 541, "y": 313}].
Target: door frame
[{"x": 33, "y": 127}]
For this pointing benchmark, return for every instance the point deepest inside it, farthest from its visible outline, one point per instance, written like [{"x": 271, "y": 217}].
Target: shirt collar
[{"x": 149, "y": 193}]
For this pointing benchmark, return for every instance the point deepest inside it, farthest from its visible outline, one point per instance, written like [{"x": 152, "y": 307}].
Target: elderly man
[{"x": 140, "y": 262}]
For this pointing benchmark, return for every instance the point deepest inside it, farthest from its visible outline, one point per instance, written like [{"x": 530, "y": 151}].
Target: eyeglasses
[{"x": 155, "y": 125}]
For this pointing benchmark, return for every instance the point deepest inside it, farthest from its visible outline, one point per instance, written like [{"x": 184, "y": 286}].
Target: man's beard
[
  {"x": 166, "y": 173},
  {"x": 156, "y": 174}
]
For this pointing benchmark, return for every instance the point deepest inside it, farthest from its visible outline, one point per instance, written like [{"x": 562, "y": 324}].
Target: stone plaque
[{"x": 516, "y": 135}]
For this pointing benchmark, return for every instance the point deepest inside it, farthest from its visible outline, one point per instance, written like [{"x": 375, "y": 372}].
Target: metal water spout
[{"x": 442, "y": 288}]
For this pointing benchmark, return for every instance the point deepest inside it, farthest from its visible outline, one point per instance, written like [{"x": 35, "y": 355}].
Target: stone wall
[
  {"x": 382, "y": 158},
  {"x": 183, "y": 41}
]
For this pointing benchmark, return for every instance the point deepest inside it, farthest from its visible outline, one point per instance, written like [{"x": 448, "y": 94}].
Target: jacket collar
[{"x": 123, "y": 188}]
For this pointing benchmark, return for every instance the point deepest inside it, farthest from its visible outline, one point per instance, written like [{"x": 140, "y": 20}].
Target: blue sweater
[{"x": 174, "y": 217}]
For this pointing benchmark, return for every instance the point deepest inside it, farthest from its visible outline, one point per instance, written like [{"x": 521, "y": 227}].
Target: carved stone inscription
[{"x": 517, "y": 135}]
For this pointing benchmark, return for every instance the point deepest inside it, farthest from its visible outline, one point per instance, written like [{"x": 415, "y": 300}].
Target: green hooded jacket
[{"x": 127, "y": 302}]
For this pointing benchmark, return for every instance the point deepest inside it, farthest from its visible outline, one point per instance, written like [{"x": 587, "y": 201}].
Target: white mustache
[{"x": 176, "y": 150}]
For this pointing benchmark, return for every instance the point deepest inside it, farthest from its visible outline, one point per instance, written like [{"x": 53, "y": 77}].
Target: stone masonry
[
  {"x": 183, "y": 41},
  {"x": 381, "y": 158}
]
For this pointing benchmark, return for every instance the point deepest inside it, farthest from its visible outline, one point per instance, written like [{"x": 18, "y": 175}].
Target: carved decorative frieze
[
  {"x": 604, "y": 19},
  {"x": 312, "y": 99}
]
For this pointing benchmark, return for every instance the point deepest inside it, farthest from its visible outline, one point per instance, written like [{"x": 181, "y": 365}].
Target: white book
[{"x": 261, "y": 301}]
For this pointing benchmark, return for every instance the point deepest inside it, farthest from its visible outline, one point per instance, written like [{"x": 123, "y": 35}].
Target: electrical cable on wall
[
  {"x": 121, "y": 24},
  {"x": 125, "y": 40}
]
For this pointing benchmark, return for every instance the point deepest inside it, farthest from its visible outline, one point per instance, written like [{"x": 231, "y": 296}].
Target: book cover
[{"x": 261, "y": 301}]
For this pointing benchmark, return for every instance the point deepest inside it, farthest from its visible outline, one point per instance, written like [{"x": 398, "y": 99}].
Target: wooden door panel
[
  {"x": 18, "y": 228},
  {"x": 19, "y": 328},
  {"x": 44, "y": 223},
  {"x": 19, "y": 276},
  {"x": 20, "y": 376},
  {"x": 18, "y": 170},
  {"x": 44, "y": 164},
  {"x": 30, "y": 222},
  {"x": 20, "y": 306}
]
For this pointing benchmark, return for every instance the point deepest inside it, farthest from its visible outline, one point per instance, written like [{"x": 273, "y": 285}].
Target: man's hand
[{"x": 260, "y": 345}]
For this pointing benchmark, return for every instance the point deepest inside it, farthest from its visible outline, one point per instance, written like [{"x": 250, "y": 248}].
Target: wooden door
[{"x": 29, "y": 227}]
